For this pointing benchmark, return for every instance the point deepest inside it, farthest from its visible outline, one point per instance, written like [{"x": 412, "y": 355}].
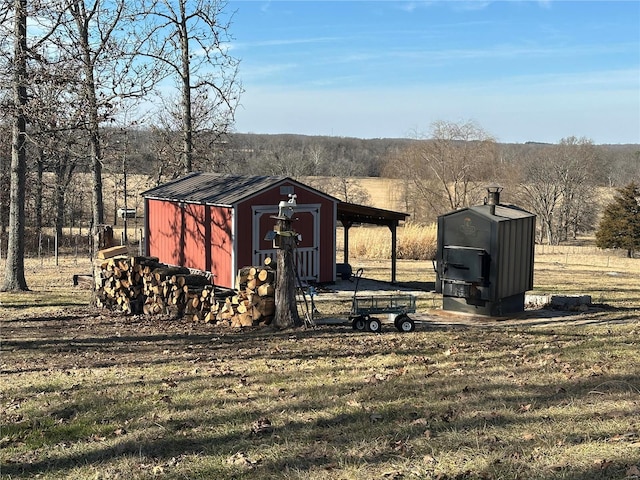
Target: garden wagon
[
  {"x": 396, "y": 305},
  {"x": 363, "y": 308}
]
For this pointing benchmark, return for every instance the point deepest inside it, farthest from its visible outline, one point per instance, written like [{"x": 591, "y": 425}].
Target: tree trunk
[
  {"x": 187, "y": 120},
  {"x": 93, "y": 124},
  {"x": 14, "y": 273},
  {"x": 59, "y": 203},
  {"x": 39, "y": 189},
  {"x": 64, "y": 173},
  {"x": 96, "y": 158},
  {"x": 285, "y": 292}
]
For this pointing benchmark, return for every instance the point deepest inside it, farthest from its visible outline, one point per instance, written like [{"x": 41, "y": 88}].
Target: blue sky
[{"x": 524, "y": 71}]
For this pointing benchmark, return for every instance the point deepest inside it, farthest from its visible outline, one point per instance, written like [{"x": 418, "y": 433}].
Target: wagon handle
[{"x": 357, "y": 276}]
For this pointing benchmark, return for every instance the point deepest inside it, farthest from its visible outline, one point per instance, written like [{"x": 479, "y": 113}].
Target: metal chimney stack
[{"x": 493, "y": 197}]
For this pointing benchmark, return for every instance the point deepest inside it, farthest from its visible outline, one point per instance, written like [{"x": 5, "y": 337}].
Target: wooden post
[
  {"x": 346, "y": 226},
  {"x": 394, "y": 245}
]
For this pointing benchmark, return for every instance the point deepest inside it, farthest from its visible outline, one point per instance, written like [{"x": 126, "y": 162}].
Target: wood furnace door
[{"x": 306, "y": 223}]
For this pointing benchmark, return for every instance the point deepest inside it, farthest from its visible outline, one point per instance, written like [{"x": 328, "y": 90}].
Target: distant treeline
[
  {"x": 305, "y": 155},
  {"x": 57, "y": 194}
]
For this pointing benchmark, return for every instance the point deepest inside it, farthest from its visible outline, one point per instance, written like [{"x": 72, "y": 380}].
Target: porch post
[
  {"x": 346, "y": 225},
  {"x": 393, "y": 226}
]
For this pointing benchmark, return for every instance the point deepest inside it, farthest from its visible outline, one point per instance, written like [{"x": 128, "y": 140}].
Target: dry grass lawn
[{"x": 91, "y": 394}]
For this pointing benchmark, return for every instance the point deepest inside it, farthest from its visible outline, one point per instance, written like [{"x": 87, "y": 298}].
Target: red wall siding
[
  {"x": 221, "y": 261},
  {"x": 164, "y": 231},
  {"x": 195, "y": 238},
  {"x": 303, "y": 226}
]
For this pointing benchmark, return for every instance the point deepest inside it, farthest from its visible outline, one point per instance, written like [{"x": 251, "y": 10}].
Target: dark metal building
[{"x": 484, "y": 258}]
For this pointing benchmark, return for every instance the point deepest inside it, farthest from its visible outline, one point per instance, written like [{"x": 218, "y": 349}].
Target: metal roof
[
  {"x": 227, "y": 190},
  {"x": 214, "y": 188},
  {"x": 502, "y": 212},
  {"x": 354, "y": 213}
]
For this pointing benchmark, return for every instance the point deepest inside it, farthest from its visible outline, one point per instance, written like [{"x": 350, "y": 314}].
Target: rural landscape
[{"x": 179, "y": 294}]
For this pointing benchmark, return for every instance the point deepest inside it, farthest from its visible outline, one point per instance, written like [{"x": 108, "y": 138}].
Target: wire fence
[
  {"x": 48, "y": 246},
  {"x": 587, "y": 255},
  {"x": 78, "y": 245}
]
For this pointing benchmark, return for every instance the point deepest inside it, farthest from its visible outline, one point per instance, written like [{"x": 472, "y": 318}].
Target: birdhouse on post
[{"x": 284, "y": 239}]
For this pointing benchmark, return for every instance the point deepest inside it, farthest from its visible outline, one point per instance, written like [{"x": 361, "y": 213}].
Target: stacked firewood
[
  {"x": 143, "y": 285},
  {"x": 254, "y": 303},
  {"x": 139, "y": 284},
  {"x": 176, "y": 289}
]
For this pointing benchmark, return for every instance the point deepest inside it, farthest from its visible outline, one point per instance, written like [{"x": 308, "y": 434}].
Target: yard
[{"x": 550, "y": 395}]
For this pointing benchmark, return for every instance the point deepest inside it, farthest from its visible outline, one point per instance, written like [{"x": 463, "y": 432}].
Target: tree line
[{"x": 446, "y": 170}]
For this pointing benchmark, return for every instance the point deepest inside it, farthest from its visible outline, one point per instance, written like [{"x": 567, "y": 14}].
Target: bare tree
[
  {"x": 206, "y": 77},
  {"x": 342, "y": 182},
  {"x": 541, "y": 193},
  {"x": 347, "y": 189},
  {"x": 56, "y": 134},
  {"x": 557, "y": 186},
  {"x": 575, "y": 169},
  {"x": 20, "y": 67},
  {"x": 99, "y": 36},
  {"x": 14, "y": 278},
  {"x": 445, "y": 170}
]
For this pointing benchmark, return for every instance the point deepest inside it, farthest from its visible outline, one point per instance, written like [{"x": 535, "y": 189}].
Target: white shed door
[{"x": 307, "y": 225}]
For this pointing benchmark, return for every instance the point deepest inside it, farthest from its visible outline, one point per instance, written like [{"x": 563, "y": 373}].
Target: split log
[
  {"x": 83, "y": 279},
  {"x": 266, "y": 290},
  {"x": 265, "y": 275},
  {"x": 112, "y": 252}
]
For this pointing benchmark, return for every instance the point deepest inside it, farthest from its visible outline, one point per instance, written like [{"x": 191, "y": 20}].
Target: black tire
[
  {"x": 359, "y": 323},
  {"x": 405, "y": 324},
  {"x": 398, "y": 319},
  {"x": 374, "y": 325}
]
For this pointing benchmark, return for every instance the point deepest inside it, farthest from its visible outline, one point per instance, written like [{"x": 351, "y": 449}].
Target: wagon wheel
[
  {"x": 404, "y": 323},
  {"x": 374, "y": 325},
  {"x": 359, "y": 323}
]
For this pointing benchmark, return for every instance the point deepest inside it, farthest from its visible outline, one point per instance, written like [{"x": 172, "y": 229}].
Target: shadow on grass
[
  {"x": 459, "y": 403},
  {"x": 330, "y": 441}
]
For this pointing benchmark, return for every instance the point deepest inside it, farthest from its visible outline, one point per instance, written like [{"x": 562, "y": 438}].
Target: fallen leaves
[
  {"x": 602, "y": 463},
  {"x": 261, "y": 426},
  {"x": 524, "y": 408},
  {"x": 633, "y": 472},
  {"x": 241, "y": 459},
  {"x": 375, "y": 417}
]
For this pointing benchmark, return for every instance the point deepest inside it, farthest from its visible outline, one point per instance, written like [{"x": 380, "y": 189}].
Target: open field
[{"x": 90, "y": 394}]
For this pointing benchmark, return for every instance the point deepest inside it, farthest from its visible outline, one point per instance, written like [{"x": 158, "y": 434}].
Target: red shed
[{"x": 217, "y": 223}]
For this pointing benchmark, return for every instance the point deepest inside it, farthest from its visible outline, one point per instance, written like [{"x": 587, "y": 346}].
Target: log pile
[
  {"x": 254, "y": 303},
  {"x": 143, "y": 285},
  {"x": 137, "y": 285}
]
